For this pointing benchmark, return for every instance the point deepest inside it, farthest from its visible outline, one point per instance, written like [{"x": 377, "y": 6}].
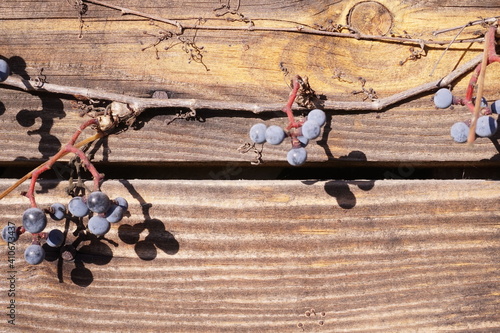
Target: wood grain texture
[
  {"x": 244, "y": 66},
  {"x": 411, "y": 133},
  {"x": 257, "y": 256},
  {"x": 263, "y": 255}
]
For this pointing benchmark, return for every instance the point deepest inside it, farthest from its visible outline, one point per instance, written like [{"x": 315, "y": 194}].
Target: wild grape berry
[
  {"x": 443, "y": 98},
  {"x": 275, "y": 135},
  {"x": 318, "y": 116},
  {"x": 98, "y": 225},
  {"x": 4, "y": 70},
  {"x": 310, "y": 129},
  {"x": 459, "y": 132},
  {"x": 34, "y": 254},
  {"x": 303, "y": 140},
  {"x": 114, "y": 213},
  {"x": 296, "y": 156},
  {"x": 486, "y": 126},
  {"x": 258, "y": 133},
  {"x": 78, "y": 207},
  {"x": 57, "y": 211},
  {"x": 9, "y": 233},
  {"x": 98, "y": 202},
  {"x": 121, "y": 202},
  {"x": 495, "y": 106},
  {"x": 34, "y": 220},
  {"x": 55, "y": 238}
]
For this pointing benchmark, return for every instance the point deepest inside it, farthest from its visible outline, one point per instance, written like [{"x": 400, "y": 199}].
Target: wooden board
[
  {"x": 214, "y": 244},
  {"x": 248, "y": 66},
  {"x": 219, "y": 256}
]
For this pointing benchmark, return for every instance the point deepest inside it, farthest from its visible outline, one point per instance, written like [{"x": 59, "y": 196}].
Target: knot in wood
[{"x": 370, "y": 18}]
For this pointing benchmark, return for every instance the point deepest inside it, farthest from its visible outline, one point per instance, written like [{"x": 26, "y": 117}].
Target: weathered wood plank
[
  {"x": 244, "y": 66},
  {"x": 109, "y": 54},
  {"x": 221, "y": 256},
  {"x": 415, "y": 132}
]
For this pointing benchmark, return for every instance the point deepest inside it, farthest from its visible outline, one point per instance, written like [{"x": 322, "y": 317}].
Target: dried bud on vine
[
  {"x": 105, "y": 122},
  {"x": 119, "y": 110}
]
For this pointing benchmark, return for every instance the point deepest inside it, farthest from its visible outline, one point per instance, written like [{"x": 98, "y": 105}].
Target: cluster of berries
[
  {"x": 486, "y": 125},
  {"x": 299, "y": 131},
  {"x": 101, "y": 210}
]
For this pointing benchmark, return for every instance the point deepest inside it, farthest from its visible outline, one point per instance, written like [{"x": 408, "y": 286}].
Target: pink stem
[
  {"x": 68, "y": 148},
  {"x": 291, "y": 99},
  {"x": 88, "y": 165},
  {"x": 492, "y": 57}
]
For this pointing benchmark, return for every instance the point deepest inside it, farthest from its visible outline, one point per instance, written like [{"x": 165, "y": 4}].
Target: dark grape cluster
[
  {"x": 300, "y": 133},
  {"x": 97, "y": 206},
  {"x": 102, "y": 211},
  {"x": 486, "y": 125}
]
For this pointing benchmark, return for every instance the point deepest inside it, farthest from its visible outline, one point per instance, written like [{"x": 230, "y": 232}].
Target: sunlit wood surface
[{"x": 215, "y": 250}]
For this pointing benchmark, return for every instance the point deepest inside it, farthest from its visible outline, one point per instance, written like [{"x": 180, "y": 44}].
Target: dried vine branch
[
  {"x": 127, "y": 11},
  {"x": 138, "y": 104},
  {"x": 483, "y": 21},
  {"x": 298, "y": 28}
]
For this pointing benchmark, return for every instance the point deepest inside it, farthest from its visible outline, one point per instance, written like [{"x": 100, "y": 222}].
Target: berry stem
[
  {"x": 88, "y": 165},
  {"x": 29, "y": 174},
  {"x": 491, "y": 57},
  {"x": 291, "y": 99},
  {"x": 293, "y": 128},
  {"x": 68, "y": 148},
  {"x": 20, "y": 231}
]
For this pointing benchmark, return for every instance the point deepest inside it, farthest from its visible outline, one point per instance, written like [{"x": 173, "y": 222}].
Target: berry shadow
[
  {"x": 85, "y": 249},
  {"x": 495, "y": 139},
  {"x": 323, "y": 142},
  {"x": 158, "y": 238},
  {"x": 340, "y": 189},
  {"x": 93, "y": 251}
]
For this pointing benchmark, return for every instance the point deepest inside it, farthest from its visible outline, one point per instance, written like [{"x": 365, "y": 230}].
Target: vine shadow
[
  {"x": 38, "y": 122},
  {"x": 158, "y": 237}
]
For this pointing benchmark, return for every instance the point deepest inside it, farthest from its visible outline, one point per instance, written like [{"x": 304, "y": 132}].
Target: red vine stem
[
  {"x": 28, "y": 175},
  {"x": 491, "y": 56},
  {"x": 291, "y": 99},
  {"x": 68, "y": 148},
  {"x": 293, "y": 128}
]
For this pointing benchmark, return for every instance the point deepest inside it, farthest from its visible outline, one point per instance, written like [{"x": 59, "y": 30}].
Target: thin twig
[
  {"x": 138, "y": 104},
  {"x": 480, "y": 86},
  {"x": 445, "y": 50},
  {"x": 481, "y": 21},
  {"x": 126, "y": 11},
  {"x": 298, "y": 28},
  {"x": 28, "y": 175}
]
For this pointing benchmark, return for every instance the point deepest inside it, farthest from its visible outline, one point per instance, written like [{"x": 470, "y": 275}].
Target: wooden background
[{"x": 213, "y": 244}]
